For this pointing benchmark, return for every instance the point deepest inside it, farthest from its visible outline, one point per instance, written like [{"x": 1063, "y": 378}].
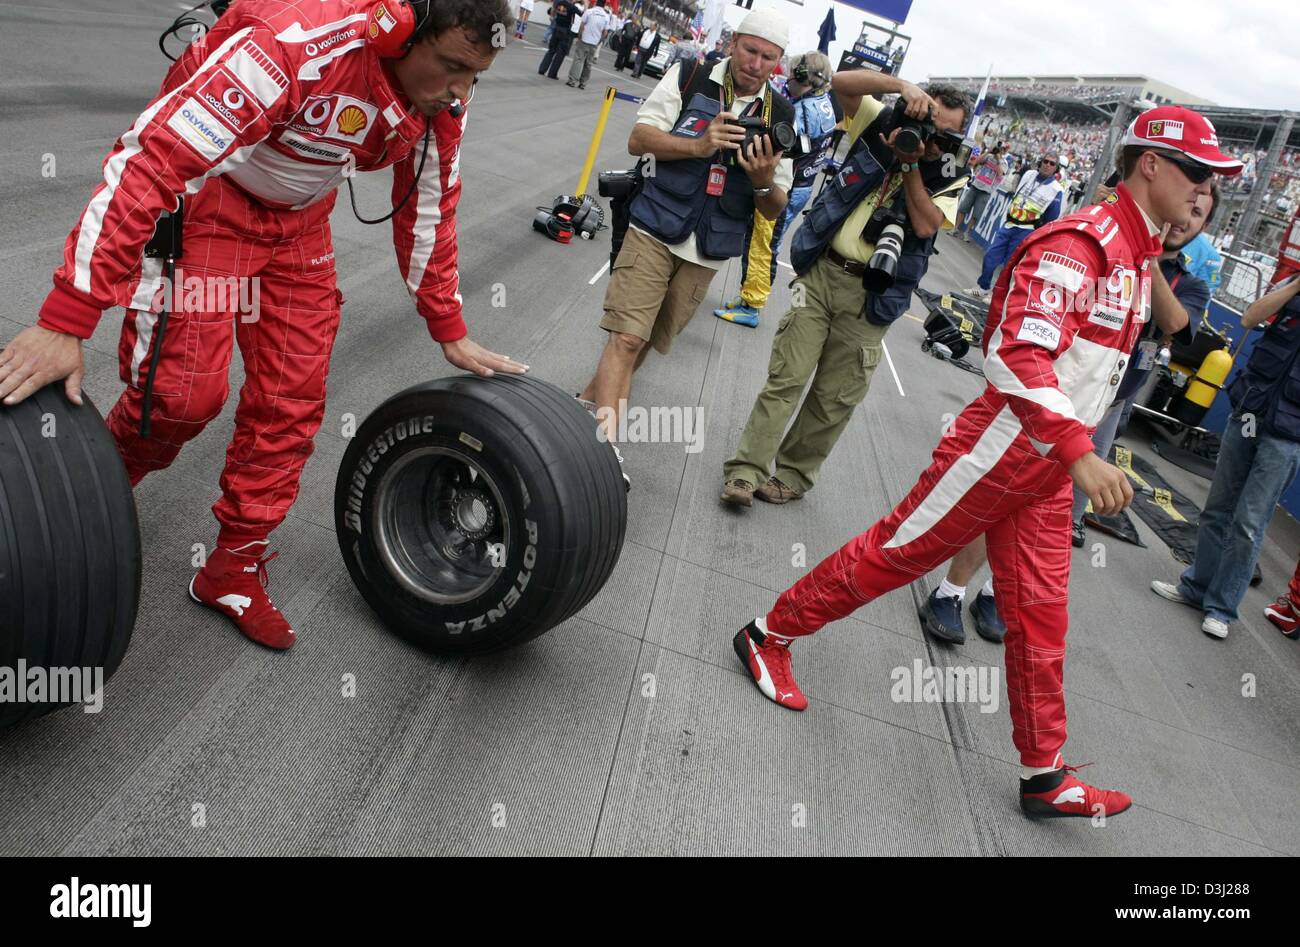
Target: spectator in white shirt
[{"x": 591, "y": 33}]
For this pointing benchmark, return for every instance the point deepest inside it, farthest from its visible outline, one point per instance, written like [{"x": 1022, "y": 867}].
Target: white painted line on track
[
  {"x": 892, "y": 370},
  {"x": 599, "y": 273}
]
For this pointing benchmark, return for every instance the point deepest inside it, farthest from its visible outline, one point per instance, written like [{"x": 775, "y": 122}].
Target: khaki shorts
[{"x": 653, "y": 294}]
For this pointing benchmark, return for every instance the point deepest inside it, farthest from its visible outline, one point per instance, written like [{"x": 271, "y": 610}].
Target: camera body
[
  {"x": 783, "y": 135},
  {"x": 914, "y": 133},
  {"x": 618, "y": 184}
]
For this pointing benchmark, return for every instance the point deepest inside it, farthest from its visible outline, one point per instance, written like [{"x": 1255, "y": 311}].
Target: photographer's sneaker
[
  {"x": 233, "y": 582},
  {"x": 984, "y": 295},
  {"x": 1282, "y": 614},
  {"x": 767, "y": 659},
  {"x": 1077, "y": 535},
  {"x": 1060, "y": 794},
  {"x": 1215, "y": 627},
  {"x": 627, "y": 481}
]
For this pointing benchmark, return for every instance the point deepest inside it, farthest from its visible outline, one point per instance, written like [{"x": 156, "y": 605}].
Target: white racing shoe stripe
[{"x": 764, "y": 679}]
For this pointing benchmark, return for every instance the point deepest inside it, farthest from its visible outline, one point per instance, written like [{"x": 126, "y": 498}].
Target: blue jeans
[
  {"x": 1004, "y": 244},
  {"x": 1251, "y": 476}
]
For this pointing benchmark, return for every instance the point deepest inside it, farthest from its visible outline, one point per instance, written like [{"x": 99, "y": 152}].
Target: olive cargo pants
[{"x": 824, "y": 332}]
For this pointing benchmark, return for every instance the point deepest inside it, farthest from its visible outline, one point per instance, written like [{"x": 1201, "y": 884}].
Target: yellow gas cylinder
[{"x": 1204, "y": 386}]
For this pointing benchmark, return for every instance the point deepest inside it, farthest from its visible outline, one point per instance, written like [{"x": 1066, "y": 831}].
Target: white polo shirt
[{"x": 660, "y": 110}]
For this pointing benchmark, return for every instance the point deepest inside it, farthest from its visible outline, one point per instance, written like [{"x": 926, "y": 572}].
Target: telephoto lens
[{"x": 882, "y": 268}]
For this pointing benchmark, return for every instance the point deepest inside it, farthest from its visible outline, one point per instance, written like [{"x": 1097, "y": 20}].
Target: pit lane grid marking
[
  {"x": 892, "y": 370},
  {"x": 599, "y": 273}
]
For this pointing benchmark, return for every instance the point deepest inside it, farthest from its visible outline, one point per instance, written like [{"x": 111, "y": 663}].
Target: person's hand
[
  {"x": 908, "y": 156},
  {"x": 1103, "y": 194},
  {"x": 760, "y": 161},
  {"x": 1104, "y": 484},
  {"x": 721, "y": 135},
  {"x": 917, "y": 101},
  {"x": 469, "y": 355},
  {"x": 35, "y": 358}
]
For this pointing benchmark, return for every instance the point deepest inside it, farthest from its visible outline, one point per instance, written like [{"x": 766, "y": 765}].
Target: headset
[
  {"x": 801, "y": 74},
  {"x": 393, "y": 26}
]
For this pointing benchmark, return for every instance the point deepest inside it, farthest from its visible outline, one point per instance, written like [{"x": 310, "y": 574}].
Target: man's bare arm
[
  {"x": 853, "y": 84},
  {"x": 1270, "y": 303}
]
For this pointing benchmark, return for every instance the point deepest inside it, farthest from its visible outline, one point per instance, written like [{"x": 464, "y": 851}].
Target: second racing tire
[
  {"x": 475, "y": 514},
  {"x": 69, "y": 553}
]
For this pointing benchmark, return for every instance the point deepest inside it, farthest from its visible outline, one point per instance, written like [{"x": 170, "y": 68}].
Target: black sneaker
[
  {"x": 941, "y": 618},
  {"x": 1077, "y": 538},
  {"x": 988, "y": 622}
]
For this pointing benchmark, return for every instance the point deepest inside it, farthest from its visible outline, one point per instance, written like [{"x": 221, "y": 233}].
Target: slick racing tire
[
  {"x": 69, "y": 549},
  {"x": 475, "y": 514}
]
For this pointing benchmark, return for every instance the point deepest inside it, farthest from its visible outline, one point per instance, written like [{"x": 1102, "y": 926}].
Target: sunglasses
[
  {"x": 1049, "y": 161},
  {"x": 1196, "y": 173}
]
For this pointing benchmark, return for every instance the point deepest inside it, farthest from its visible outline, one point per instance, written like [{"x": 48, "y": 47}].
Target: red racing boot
[
  {"x": 1060, "y": 795},
  {"x": 1282, "y": 613},
  {"x": 767, "y": 659},
  {"x": 234, "y": 583}
]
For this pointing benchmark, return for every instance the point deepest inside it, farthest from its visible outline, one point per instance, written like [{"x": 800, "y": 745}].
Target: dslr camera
[
  {"x": 913, "y": 133},
  {"x": 783, "y": 135}
]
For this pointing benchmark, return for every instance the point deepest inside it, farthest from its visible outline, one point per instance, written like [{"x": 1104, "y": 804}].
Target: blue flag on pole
[{"x": 826, "y": 33}]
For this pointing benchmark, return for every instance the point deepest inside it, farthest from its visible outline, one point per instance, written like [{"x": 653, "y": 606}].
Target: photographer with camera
[
  {"x": 716, "y": 137},
  {"x": 897, "y": 188},
  {"x": 809, "y": 88}
]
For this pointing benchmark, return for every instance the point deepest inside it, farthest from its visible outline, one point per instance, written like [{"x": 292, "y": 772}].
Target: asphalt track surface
[{"x": 554, "y": 748}]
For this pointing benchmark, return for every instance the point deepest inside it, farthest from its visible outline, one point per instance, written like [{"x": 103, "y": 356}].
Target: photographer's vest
[
  {"x": 1269, "y": 385},
  {"x": 860, "y": 175},
  {"x": 674, "y": 204},
  {"x": 1032, "y": 198}
]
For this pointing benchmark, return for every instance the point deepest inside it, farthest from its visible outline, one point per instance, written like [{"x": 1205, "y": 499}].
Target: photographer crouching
[
  {"x": 714, "y": 165},
  {"x": 863, "y": 246}
]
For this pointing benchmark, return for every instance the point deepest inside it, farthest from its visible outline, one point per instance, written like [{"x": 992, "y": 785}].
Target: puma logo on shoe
[
  {"x": 785, "y": 694},
  {"x": 1073, "y": 794},
  {"x": 237, "y": 603},
  {"x": 764, "y": 680}
]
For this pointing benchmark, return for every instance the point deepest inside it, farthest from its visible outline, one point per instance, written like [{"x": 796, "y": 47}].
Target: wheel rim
[{"x": 441, "y": 525}]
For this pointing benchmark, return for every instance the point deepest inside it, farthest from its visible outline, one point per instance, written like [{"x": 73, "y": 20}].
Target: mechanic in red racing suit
[
  {"x": 260, "y": 121},
  {"x": 1062, "y": 323}
]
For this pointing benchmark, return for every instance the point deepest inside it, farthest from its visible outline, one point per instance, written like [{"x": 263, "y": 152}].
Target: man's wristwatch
[
  {"x": 762, "y": 191},
  {"x": 906, "y": 166}
]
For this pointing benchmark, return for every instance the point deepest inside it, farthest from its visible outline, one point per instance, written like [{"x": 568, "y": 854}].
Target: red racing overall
[
  {"x": 1063, "y": 319},
  {"x": 260, "y": 122}
]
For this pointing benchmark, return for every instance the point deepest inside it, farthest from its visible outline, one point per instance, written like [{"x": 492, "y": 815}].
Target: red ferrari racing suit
[
  {"x": 258, "y": 123},
  {"x": 1064, "y": 317}
]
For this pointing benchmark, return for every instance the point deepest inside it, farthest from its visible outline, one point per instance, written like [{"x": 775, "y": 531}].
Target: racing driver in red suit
[
  {"x": 256, "y": 125},
  {"x": 1062, "y": 324}
]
